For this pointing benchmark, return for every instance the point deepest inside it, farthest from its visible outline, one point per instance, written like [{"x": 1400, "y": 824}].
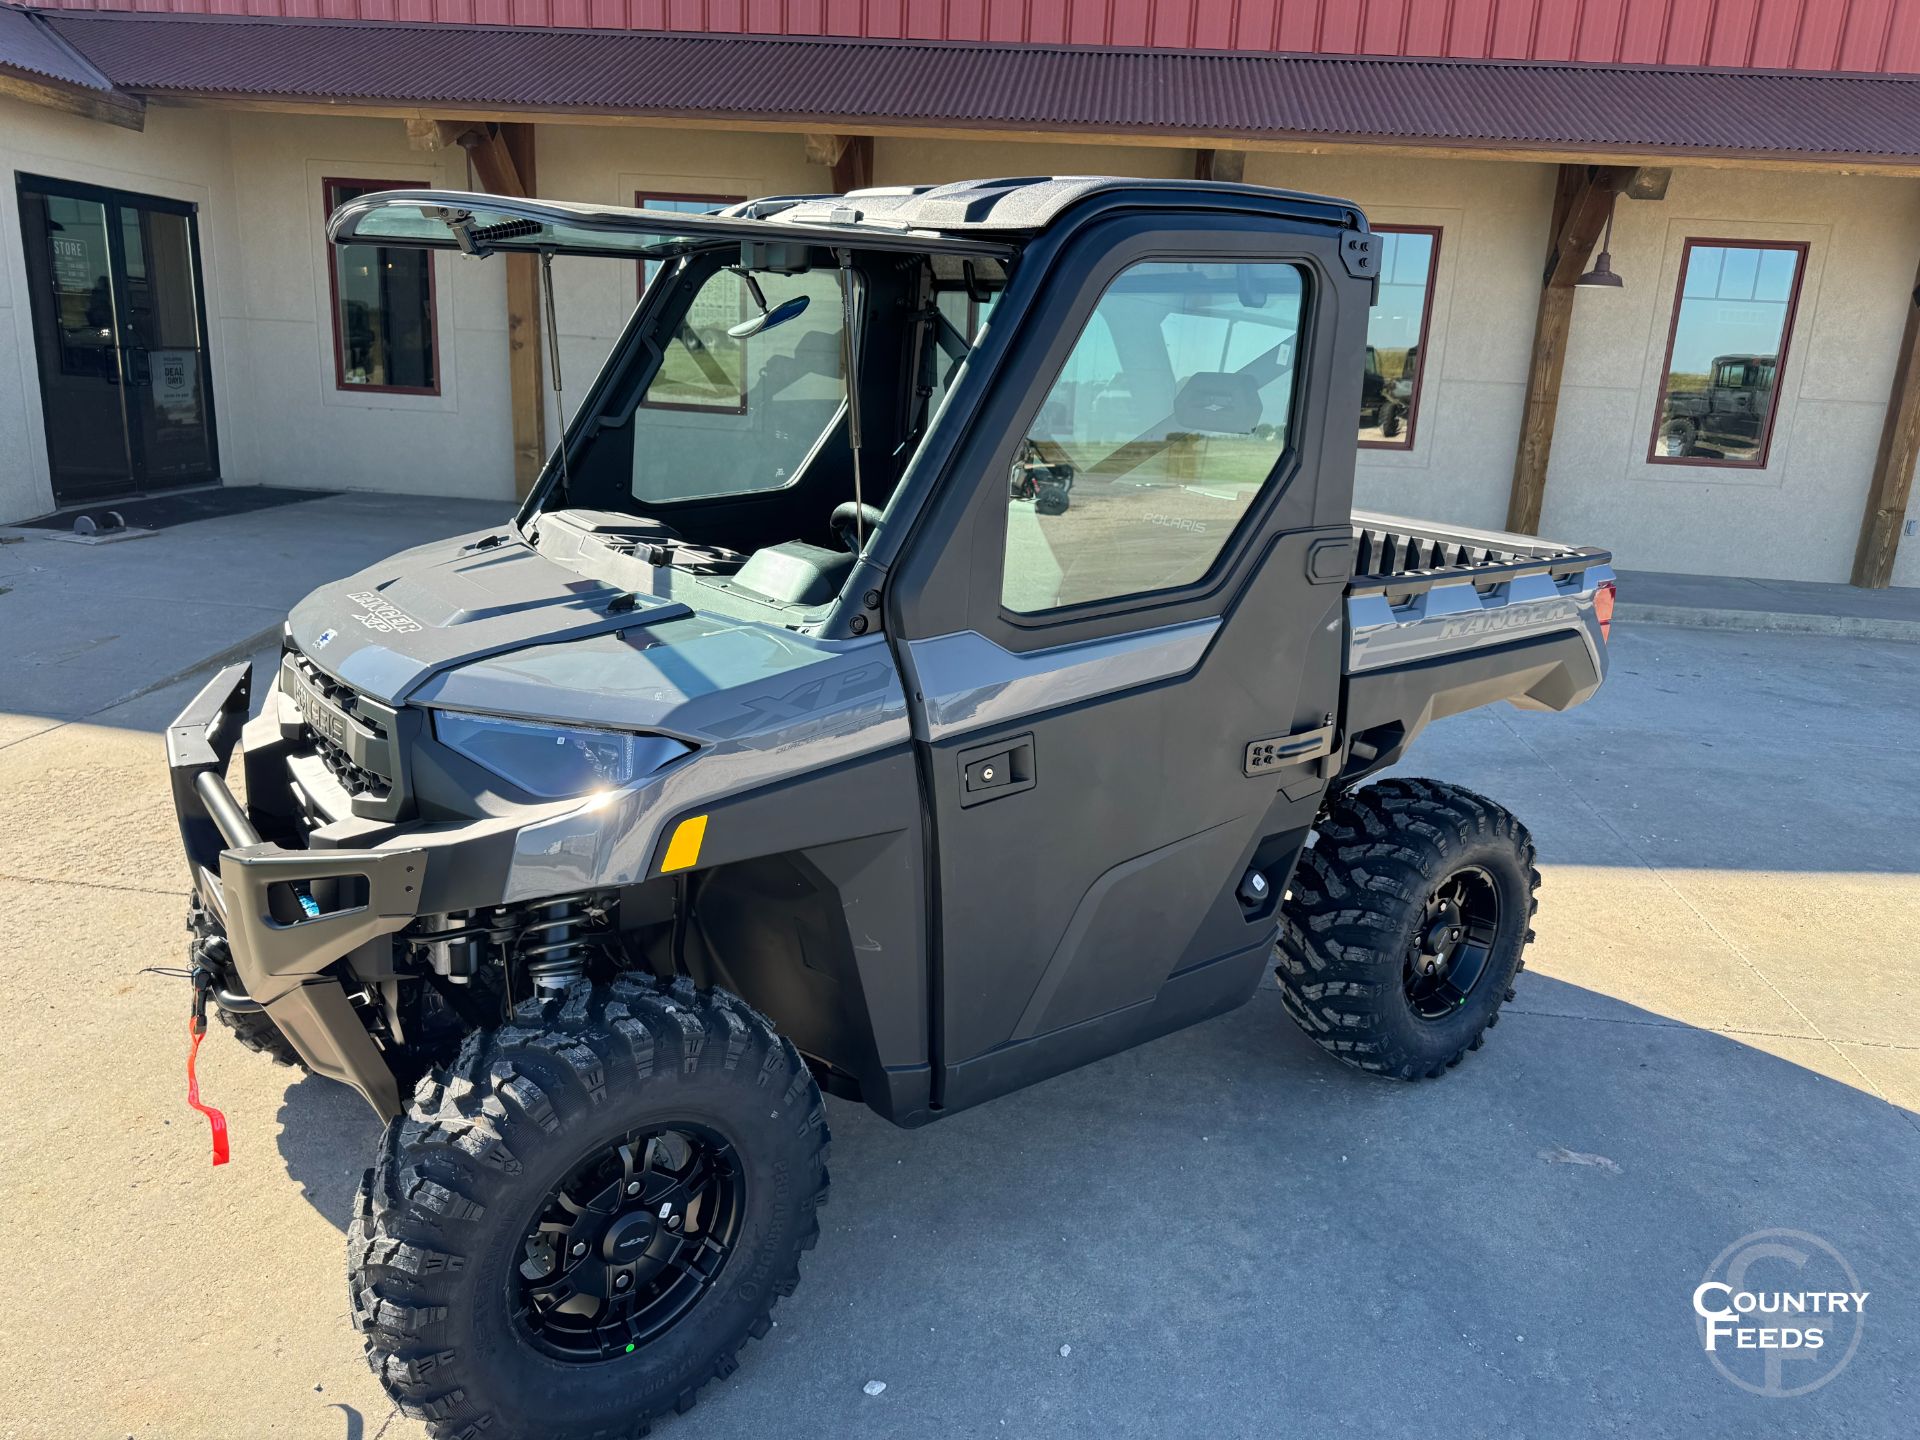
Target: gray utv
[{"x": 939, "y": 654}]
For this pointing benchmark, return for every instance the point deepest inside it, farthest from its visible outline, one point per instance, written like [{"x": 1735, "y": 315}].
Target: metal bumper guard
[{"x": 280, "y": 962}]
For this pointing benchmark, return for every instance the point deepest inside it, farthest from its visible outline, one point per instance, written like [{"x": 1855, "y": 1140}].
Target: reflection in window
[
  {"x": 1396, "y": 334},
  {"x": 702, "y": 367},
  {"x": 383, "y": 328},
  {"x": 678, "y": 205},
  {"x": 1165, "y": 422},
  {"x": 1730, "y": 327},
  {"x": 727, "y": 416}
]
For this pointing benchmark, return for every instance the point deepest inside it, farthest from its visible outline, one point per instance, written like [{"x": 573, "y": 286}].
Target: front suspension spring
[{"x": 550, "y": 943}]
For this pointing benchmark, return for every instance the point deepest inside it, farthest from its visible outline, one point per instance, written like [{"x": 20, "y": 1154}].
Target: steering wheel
[{"x": 849, "y": 520}]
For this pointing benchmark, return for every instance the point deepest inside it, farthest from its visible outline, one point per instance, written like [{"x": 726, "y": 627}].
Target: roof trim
[{"x": 1149, "y": 96}]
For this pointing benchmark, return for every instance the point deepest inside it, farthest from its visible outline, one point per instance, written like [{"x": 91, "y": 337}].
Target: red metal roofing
[
  {"x": 1828, "y": 35},
  {"x": 873, "y": 85}
]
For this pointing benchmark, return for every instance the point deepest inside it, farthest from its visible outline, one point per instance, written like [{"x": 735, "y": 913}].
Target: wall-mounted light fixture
[{"x": 1601, "y": 276}]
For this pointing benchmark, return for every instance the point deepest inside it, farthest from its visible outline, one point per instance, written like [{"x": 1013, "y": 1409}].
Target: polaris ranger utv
[{"x": 784, "y": 743}]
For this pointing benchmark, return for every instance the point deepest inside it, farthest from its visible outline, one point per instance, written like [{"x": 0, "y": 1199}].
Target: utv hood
[{"x": 395, "y": 625}]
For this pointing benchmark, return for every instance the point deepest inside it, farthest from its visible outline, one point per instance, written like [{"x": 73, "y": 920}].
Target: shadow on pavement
[{"x": 1227, "y": 1225}]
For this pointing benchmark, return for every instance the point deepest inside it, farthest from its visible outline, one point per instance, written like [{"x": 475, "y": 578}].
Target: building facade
[{"x": 1745, "y": 401}]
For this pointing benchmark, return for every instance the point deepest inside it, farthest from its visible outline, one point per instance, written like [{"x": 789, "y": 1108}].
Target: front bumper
[{"x": 281, "y": 951}]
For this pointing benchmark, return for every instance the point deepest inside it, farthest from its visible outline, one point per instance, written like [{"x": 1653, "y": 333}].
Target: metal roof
[
  {"x": 35, "y": 49},
  {"x": 1828, "y": 35},
  {"x": 875, "y": 85}
]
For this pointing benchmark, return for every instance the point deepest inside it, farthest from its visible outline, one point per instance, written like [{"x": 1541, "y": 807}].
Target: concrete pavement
[
  {"x": 1229, "y": 1233},
  {"x": 1799, "y": 607}
]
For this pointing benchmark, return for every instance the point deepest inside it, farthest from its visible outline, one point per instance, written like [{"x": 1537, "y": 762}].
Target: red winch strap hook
[{"x": 197, "y": 1030}]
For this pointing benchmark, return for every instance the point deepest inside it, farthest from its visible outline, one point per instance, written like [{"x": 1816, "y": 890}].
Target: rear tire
[
  {"x": 1405, "y": 926},
  {"x": 481, "y": 1316}
]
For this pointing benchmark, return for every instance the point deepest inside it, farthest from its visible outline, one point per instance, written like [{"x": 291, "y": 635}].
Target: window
[
  {"x": 727, "y": 416},
  {"x": 702, "y": 369},
  {"x": 678, "y": 205},
  {"x": 383, "y": 321},
  {"x": 1726, "y": 351},
  {"x": 1164, "y": 424},
  {"x": 1396, "y": 337}
]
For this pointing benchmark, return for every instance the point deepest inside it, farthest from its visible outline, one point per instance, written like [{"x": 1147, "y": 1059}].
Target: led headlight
[{"x": 554, "y": 762}]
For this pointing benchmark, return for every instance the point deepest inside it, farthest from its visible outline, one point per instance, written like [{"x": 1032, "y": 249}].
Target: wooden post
[
  {"x": 853, "y": 170},
  {"x": 1228, "y": 165},
  {"x": 502, "y": 158},
  {"x": 1892, "y": 482},
  {"x": 1580, "y": 207}
]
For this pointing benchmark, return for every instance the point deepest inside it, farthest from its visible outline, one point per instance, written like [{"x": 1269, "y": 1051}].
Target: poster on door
[{"x": 176, "y": 376}]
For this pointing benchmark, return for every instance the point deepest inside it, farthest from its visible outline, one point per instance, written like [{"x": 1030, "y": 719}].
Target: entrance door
[{"x": 120, "y": 338}]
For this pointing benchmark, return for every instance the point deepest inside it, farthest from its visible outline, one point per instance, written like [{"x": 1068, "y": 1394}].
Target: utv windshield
[
  {"x": 719, "y": 439},
  {"x": 733, "y": 414}
]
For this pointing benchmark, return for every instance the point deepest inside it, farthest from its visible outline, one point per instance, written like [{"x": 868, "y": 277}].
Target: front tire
[
  {"x": 582, "y": 1223},
  {"x": 1405, "y": 926}
]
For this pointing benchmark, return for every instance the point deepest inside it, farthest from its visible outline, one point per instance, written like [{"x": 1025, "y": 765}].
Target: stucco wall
[
  {"x": 182, "y": 155},
  {"x": 310, "y": 431},
  {"x": 283, "y": 420},
  {"x": 1799, "y": 517}
]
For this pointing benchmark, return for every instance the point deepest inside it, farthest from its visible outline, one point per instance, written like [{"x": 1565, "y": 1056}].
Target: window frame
[
  {"x": 640, "y": 199},
  {"x": 1405, "y": 445},
  {"x": 1278, "y": 477},
  {"x": 328, "y": 206},
  {"x": 1801, "y": 249}
]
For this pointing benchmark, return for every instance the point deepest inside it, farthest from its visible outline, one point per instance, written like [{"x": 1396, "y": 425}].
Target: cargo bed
[{"x": 1441, "y": 620}]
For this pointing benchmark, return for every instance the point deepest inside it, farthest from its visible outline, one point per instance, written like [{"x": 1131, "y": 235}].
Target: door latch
[{"x": 1004, "y": 767}]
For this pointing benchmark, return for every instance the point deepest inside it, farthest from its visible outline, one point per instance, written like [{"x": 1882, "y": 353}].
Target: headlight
[{"x": 555, "y": 762}]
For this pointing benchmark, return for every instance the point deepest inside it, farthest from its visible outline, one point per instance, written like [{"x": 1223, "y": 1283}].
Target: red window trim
[
  {"x": 640, "y": 199},
  {"x": 1759, "y": 462},
  {"x": 1405, "y": 446},
  {"x": 327, "y": 184}
]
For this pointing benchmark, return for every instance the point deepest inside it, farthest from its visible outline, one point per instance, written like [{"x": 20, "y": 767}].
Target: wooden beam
[
  {"x": 110, "y": 106},
  {"x": 826, "y": 149},
  {"x": 1892, "y": 483},
  {"x": 526, "y": 362},
  {"x": 1582, "y": 201},
  {"x": 1228, "y": 165},
  {"x": 503, "y": 164},
  {"x": 493, "y": 164},
  {"x": 853, "y": 170}
]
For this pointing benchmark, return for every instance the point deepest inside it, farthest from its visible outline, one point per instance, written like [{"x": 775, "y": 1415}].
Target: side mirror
[{"x": 779, "y": 315}]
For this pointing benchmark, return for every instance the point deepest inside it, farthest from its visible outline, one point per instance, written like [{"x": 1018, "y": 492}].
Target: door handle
[{"x": 1003, "y": 767}]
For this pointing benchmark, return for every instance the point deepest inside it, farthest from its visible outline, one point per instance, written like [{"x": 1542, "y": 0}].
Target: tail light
[{"x": 1603, "y": 608}]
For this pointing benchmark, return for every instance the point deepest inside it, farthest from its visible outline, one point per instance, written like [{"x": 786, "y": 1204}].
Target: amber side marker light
[{"x": 1603, "y": 609}]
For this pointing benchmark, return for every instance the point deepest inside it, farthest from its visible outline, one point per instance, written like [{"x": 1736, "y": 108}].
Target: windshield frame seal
[{"x": 343, "y": 228}]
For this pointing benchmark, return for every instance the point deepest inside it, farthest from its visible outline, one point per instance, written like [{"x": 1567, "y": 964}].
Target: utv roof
[{"x": 973, "y": 217}]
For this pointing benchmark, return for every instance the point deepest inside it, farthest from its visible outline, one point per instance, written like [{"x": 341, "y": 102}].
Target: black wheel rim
[
  {"x": 1452, "y": 946},
  {"x": 625, "y": 1246}
]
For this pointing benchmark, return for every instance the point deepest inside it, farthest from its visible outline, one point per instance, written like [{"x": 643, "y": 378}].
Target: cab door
[{"x": 1122, "y": 680}]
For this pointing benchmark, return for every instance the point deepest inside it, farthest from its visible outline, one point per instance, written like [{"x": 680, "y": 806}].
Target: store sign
[
  {"x": 176, "y": 375},
  {"x": 73, "y": 267}
]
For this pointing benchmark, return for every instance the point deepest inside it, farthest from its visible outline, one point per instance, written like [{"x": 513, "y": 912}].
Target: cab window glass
[
  {"x": 1165, "y": 421},
  {"x": 726, "y": 415}
]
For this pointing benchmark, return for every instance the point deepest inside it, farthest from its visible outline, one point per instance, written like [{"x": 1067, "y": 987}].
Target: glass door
[{"x": 120, "y": 339}]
